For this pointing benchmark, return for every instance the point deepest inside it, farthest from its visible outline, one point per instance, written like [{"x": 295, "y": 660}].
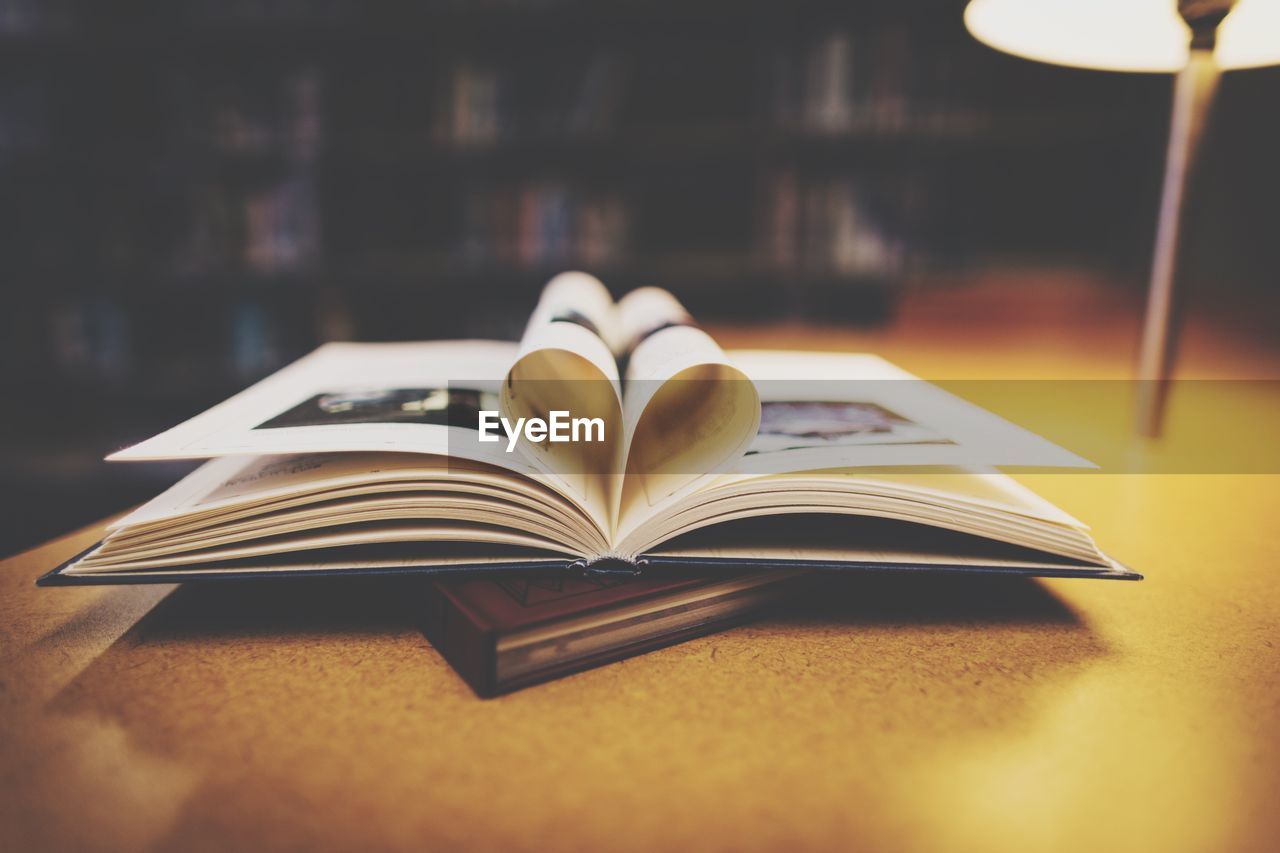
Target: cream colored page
[
  {"x": 839, "y": 553},
  {"x": 973, "y": 520},
  {"x": 687, "y": 409},
  {"x": 566, "y": 363},
  {"x": 835, "y": 410},
  {"x": 413, "y": 509},
  {"x": 941, "y": 485},
  {"x": 392, "y": 390},
  {"x": 241, "y": 487},
  {"x": 235, "y": 481},
  {"x": 684, "y": 409},
  {"x": 306, "y": 561},
  {"x": 356, "y": 376},
  {"x": 805, "y": 395},
  {"x": 645, "y": 311},
  {"x": 459, "y": 532},
  {"x": 985, "y": 503},
  {"x": 405, "y": 498},
  {"x": 575, "y": 314}
]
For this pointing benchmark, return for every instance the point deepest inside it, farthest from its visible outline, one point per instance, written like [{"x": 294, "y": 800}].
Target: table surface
[{"x": 907, "y": 714}]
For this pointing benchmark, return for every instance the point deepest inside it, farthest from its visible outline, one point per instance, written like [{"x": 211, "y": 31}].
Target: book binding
[{"x": 607, "y": 567}]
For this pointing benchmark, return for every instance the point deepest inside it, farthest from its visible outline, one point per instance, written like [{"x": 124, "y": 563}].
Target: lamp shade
[{"x": 1121, "y": 35}]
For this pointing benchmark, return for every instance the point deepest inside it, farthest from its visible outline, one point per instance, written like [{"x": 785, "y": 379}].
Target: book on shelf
[
  {"x": 838, "y": 226},
  {"x": 541, "y": 224},
  {"x": 572, "y": 98},
  {"x": 91, "y": 338},
  {"x": 886, "y": 80},
  {"x": 616, "y": 438}
]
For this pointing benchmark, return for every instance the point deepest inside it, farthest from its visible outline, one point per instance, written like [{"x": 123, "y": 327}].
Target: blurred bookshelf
[{"x": 199, "y": 191}]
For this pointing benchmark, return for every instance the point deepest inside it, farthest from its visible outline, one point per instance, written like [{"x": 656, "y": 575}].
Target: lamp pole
[{"x": 1193, "y": 93}]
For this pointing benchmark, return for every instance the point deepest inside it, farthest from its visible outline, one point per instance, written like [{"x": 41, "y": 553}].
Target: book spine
[
  {"x": 468, "y": 647},
  {"x": 611, "y": 566}
]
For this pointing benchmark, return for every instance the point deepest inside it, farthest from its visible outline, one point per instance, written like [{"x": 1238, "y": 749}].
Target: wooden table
[{"x": 1063, "y": 715}]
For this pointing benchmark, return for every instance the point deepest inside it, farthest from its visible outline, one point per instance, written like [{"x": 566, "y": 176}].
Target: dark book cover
[{"x": 468, "y": 620}]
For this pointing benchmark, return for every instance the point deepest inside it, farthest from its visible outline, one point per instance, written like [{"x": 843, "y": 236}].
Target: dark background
[{"x": 195, "y": 192}]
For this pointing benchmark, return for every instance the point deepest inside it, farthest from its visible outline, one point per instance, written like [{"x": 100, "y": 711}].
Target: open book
[{"x": 614, "y": 437}]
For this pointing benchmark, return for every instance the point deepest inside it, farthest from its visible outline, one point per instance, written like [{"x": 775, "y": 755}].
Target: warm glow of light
[
  {"x": 1121, "y": 35},
  {"x": 1250, "y": 36}
]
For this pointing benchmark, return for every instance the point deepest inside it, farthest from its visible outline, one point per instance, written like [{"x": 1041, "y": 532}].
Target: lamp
[{"x": 1193, "y": 38}]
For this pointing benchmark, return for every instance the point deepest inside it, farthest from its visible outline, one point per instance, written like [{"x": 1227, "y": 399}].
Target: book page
[
  {"x": 344, "y": 397},
  {"x": 419, "y": 398},
  {"x": 369, "y": 534},
  {"x": 681, "y": 410},
  {"x": 245, "y": 491},
  {"x": 852, "y": 424},
  {"x": 986, "y": 504},
  {"x": 688, "y": 411},
  {"x": 836, "y": 410},
  {"x": 871, "y": 541},
  {"x": 566, "y": 362}
]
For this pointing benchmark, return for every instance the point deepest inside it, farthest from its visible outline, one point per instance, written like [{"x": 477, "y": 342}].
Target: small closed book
[
  {"x": 614, "y": 438},
  {"x": 504, "y": 633}
]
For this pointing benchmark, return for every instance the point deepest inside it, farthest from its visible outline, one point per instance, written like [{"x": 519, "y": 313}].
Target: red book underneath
[{"x": 503, "y": 633}]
